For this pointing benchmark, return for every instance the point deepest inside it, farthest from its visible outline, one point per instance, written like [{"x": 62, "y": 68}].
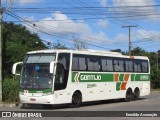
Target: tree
[
  {"x": 78, "y": 44},
  {"x": 17, "y": 40},
  {"x": 139, "y": 52},
  {"x": 59, "y": 46}
]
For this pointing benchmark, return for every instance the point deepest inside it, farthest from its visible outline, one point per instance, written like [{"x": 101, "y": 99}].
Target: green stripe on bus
[
  {"x": 36, "y": 91},
  {"x": 142, "y": 77},
  {"x": 118, "y": 84},
  {"x": 105, "y": 77},
  {"x": 121, "y": 77},
  {"x": 92, "y": 77},
  {"x": 132, "y": 77}
]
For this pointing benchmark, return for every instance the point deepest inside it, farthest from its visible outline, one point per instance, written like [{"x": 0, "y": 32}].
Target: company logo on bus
[{"x": 90, "y": 77}]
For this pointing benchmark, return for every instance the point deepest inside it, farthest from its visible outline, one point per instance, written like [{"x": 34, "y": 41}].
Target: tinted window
[
  {"x": 79, "y": 63},
  {"x": 93, "y": 63},
  {"x": 129, "y": 66},
  {"x": 118, "y": 65},
  {"x": 99, "y": 63},
  {"x": 144, "y": 66},
  {"x": 121, "y": 65},
  {"x": 75, "y": 63},
  {"x": 82, "y": 63},
  {"x": 137, "y": 66},
  {"x": 107, "y": 64}
]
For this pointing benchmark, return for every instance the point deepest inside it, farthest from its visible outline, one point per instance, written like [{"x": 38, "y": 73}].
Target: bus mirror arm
[
  {"x": 53, "y": 66},
  {"x": 15, "y": 67}
]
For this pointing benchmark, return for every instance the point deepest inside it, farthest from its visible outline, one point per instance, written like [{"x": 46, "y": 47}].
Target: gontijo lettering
[{"x": 90, "y": 77}]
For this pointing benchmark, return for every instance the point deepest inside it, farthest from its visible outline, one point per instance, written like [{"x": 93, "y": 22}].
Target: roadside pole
[{"x": 0, "y": 52}]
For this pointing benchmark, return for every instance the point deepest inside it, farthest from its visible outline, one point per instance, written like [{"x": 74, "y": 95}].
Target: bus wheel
[
  {"x": 76, "y": 100},
  {"x": 136, "y": 93},
  {"x": 128, "y": 96}
]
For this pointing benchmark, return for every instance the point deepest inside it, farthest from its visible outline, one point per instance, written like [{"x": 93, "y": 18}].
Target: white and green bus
[{"x": 52, "y": 77}]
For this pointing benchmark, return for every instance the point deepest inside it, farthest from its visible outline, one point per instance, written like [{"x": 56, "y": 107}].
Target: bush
[{"x": 10, "y": 89}]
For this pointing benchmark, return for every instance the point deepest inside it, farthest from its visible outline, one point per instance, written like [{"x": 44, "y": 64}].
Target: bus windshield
[{"x": 35, "y": 71}]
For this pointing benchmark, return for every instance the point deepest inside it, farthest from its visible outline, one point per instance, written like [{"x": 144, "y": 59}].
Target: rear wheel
[
  {"x": 76, "y": 100},
  {"x": 136, "y": 93},
  {"x": 128, "y": 96}
]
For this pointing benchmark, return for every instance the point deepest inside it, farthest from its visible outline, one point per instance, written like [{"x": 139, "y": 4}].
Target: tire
[
  {"x": 136, "y": 93},
  {"x": 76, "y": 100},
  {"x": 128, "y": 96}
]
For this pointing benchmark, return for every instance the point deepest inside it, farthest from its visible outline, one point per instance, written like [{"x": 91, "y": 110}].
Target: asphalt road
[{"x": 146, "y": 103}]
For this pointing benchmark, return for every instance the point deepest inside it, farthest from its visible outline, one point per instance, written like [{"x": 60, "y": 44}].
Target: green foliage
[
  {"x": 10, "y": 89},
  {"x": 17, "y": 40}
]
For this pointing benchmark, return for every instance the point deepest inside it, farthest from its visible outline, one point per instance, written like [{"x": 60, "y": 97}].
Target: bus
[{"x": 50, "y": 77}]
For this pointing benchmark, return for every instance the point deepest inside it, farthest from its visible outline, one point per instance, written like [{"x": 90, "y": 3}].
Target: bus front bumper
[{"x": 47, "y": 99}]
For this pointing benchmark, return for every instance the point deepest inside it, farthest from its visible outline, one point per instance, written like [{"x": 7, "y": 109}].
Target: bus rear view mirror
[
  {"x": 15, "y": 67},
  {"x": 52, "y": 66}
]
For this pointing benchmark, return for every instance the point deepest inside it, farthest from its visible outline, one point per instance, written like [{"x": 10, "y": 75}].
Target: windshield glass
[{"x": 35, "y": 72}]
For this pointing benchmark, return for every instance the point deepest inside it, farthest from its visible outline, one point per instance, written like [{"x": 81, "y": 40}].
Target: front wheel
[{"x": 76, "y": 100}]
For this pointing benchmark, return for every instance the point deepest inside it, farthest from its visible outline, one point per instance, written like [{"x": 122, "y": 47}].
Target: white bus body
[{"x": 76, "y": 76}]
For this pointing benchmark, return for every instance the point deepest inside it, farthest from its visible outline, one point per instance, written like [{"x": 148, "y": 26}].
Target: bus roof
[{"x": 88, "y": 51}]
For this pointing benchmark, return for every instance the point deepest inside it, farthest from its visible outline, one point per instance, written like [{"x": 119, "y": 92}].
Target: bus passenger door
[{"x": 61, "y": 78}]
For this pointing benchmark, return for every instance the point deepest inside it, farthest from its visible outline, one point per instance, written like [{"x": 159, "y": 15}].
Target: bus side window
[
  {"x": 75, "y": 63},
  {"x": 121, "y": 65},
  {"x": 82, "y": 63},
  {"x": 116, "y": 66},
  {"x": 129, "y": 66},
  {"x": 137, "y": 66},
  {"x": 79, "y": 62},
  {"x": 93, "y": 64},
  {"x": 107, "y": 64},
  {"x": 145, "y": 66}
]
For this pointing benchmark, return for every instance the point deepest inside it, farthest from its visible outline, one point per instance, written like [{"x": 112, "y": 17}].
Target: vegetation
[
  {"x": 17, "y": 40},
  {"x": 11, "y": 89}
]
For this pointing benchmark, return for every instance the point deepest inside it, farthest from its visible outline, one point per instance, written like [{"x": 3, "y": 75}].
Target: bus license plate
[{"x": 32, "y": 99}]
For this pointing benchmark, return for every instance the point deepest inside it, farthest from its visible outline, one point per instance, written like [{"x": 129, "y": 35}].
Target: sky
[{"x": 99, "y": 24}]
